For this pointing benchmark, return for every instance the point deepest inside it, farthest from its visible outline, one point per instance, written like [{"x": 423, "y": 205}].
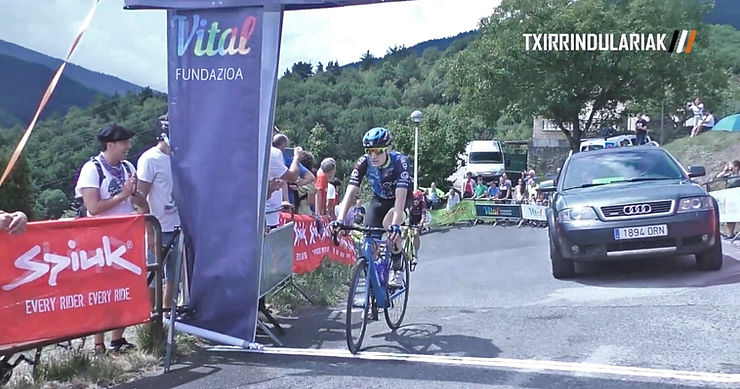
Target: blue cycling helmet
[{"x": 377, "y": 137}]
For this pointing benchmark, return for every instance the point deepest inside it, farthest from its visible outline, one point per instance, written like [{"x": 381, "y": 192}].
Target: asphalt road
[{"x": 484, "y": 310}]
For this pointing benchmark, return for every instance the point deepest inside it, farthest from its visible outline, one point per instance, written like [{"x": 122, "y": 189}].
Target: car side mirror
[
  {"x": 462, "y": 162},
  {"x": 697, "y": 171},
  {"x": 547, "y": 186}
]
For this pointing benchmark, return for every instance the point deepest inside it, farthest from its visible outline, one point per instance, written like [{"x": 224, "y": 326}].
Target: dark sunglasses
[{"x": 376, "y": 150}]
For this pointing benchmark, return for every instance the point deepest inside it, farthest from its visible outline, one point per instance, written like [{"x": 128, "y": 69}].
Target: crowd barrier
[
  {"x": 473, "y": 211},
  {"x": 67, "y": 279},
  {"x": 312, "y": 243}
]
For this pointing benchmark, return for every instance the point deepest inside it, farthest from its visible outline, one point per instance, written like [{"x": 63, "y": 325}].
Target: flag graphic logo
[{"x": 682, "y": 44}]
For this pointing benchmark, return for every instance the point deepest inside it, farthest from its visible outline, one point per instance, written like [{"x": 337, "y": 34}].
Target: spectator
[
  {"x": 433, "y": 196},
  {"x": 154, "y": 183},
  {"x": 332, "y": 194},
  {"x": 532, "y": 190},
  {"x": 325, "y": 174},
  {"x": 356, "y": 214},
  {"x": 13, "y": 222},
  {"x": 107, "y": 185},
  {"x": 480, "y": 188},
  {"x": 452, "y": 198},
  {"x": 305, "y": 176},
  {"x": 707, "y": 122},
  {"x": 278, "y": 176},
  {"x": 732, "y": 172},
  {"x": 641, "y": 128},
  {"x": 468, "y": 186},
  {"x": 306, "y": 193},
  {"x": 520, "y": 192},
  {"x": 504, "y": 186},
  {"x": 697, "y": 111},
  {"x": 493, "y": 192}
]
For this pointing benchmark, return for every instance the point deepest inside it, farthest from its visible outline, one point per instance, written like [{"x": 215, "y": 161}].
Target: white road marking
[{"x": 516, "y": 364}]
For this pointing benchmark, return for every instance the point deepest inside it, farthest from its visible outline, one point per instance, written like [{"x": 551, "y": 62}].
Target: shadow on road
[
  {"x": 425, "y": 338},
  {"x": 668, "y": 272}
]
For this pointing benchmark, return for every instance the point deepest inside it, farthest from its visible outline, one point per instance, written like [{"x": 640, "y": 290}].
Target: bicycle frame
[{"x": 377, "y": 274}]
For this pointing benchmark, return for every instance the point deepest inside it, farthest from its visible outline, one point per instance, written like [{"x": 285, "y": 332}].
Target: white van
[
  {"x": 484, "y": 158},
  {"x": 592, "y": 144}
]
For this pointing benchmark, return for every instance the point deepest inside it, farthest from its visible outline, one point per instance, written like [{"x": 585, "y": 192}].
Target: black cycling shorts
[{"x": 379, "y": 207}]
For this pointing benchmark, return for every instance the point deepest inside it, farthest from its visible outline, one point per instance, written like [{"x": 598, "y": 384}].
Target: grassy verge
[
  {"x": 326, "y": 286},
  {"x": 78, "y": 367}
]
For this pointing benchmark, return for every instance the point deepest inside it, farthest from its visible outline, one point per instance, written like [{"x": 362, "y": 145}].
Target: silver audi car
[{"x": 630, "y": 202}]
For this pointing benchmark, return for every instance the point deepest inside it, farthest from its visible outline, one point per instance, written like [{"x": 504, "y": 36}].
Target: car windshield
[
  {"x": 486, "y": 157},
  {"x": 602, "y": 169}
]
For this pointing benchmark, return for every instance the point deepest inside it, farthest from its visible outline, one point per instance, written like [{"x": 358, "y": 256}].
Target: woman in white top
[
  {"x": 520, "y": 192},
  {"x": 697, "y": 109}
]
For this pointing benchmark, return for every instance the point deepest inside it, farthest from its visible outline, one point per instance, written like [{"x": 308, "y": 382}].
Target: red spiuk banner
[
  {"x": 311, "y": 245},
  {"x": 70, "y": 277}
]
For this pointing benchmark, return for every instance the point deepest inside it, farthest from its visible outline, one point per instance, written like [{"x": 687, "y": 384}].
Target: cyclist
[
  {"x": 388, "y": 174},
  {"x": 417, "y": 218}
]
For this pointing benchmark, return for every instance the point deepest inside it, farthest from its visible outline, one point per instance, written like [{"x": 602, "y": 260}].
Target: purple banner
[{"x": 214, "y": 64}]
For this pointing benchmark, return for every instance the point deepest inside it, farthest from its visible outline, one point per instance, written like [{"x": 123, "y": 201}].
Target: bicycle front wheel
[
  {"x": 358, "y": 306},
  {"x": 398, "y": 298}
]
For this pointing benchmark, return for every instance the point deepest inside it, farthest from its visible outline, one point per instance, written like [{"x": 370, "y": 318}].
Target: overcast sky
[{"x": 131, "y": 44}]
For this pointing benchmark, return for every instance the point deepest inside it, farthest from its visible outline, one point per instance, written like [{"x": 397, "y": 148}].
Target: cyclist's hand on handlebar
[
  {"x": 395, "y": 232},
  {"x": 335, "y": 227}
]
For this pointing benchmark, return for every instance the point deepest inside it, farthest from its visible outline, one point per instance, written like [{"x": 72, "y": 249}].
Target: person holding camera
[
  {"x": 697, "y": 111},
  {"x": 641, "y": 128}
]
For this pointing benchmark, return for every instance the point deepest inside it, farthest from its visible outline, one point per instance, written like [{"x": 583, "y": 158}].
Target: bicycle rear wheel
[
  {"x": 398, "y": 298},
  {"x": 358, "y": 306}
]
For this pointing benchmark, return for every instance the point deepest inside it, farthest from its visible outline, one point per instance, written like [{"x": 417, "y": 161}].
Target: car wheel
[
  {"x": 561, "y": 267},
  {"x": 712, "y": 258}
]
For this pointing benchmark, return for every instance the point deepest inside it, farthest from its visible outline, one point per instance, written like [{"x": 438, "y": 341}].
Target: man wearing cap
[
  {"x": 154, "y": 182},
  {"x": 107, "y": 184}
]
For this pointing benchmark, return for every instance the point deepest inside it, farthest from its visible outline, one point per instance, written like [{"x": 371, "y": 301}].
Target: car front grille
[{"x": 636, "y": 210}]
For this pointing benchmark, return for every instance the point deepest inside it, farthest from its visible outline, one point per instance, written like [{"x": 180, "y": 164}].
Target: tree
[
  {"x": 16, "y": 194},
  {"x": 303, "y": 70},
  {"x": 51, "y": 204},
  {"x": 366, "y": 60},
  {"x": 441, "y": 138},
  {"x": 577, "y": 89}
]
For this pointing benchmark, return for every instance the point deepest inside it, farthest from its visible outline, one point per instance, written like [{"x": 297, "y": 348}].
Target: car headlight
[
  {"x": 577, "y": 214},
  {"x": 691, "y": 204}
]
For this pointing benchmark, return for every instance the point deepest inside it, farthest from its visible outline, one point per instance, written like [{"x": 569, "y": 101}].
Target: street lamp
[{"x": 416, "y": 117}]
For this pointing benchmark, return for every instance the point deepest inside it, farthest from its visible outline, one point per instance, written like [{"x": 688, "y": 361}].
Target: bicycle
[{"x": 368, "y": 289}]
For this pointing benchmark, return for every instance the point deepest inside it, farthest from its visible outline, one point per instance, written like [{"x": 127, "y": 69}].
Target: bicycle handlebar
[{"x": 366, "y": 230}]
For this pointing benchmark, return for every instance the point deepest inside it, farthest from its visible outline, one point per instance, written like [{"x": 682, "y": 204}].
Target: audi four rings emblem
[{"x": 639, "y": 209}]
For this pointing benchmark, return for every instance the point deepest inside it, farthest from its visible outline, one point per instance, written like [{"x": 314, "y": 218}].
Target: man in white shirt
[
  {"x": 155, "y": 184},
  {"x": 107, "y": 185},
  {"x": 278, "y": 176},
  {"x": 452, "y": 198}
]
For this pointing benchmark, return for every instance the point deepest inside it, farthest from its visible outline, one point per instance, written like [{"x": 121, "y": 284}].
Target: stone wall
[
  {"x": 548, "y": 149},
  {"x": 546, "y": 155}
]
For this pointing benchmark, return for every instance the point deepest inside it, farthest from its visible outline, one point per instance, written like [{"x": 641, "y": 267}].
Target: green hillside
[{"x": 712, "y": 150}]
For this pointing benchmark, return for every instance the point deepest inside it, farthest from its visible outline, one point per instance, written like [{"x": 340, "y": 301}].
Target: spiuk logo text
[{"x": 53, "y": 264}]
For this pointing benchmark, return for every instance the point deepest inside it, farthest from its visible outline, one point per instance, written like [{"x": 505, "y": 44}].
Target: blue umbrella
[{"x": 729, "y": 123}]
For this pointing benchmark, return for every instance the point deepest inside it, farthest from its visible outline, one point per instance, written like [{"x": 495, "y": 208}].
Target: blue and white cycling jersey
[{"x": 383, "y": 180}]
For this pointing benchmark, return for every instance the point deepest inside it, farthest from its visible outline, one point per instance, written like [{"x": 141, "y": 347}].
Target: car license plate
[{"x": 640, "y": 232}]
